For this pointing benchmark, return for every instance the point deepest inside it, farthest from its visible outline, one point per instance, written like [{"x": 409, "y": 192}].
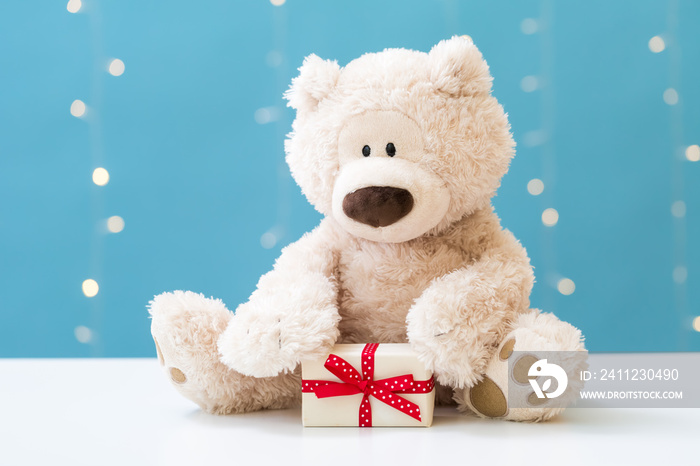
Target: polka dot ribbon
[{"x": 385, "y": 390}]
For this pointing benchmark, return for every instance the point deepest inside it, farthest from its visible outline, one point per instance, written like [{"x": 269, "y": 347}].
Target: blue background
[{"x": 198, "y": 180}]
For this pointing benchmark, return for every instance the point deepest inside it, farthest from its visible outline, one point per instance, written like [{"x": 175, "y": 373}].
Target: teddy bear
[{"x": 401, "y": 151}]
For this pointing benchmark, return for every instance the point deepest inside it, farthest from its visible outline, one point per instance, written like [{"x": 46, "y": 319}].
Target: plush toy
[{"x": 401, "y": 151}]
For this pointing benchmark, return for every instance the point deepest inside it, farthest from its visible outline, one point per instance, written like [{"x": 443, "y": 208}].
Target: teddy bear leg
[
  {"x": 533, "y": 331},
  {"x": 186, "y": 327}
]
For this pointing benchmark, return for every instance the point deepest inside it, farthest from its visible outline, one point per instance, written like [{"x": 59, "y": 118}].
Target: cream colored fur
[{"x": 446, "y": 277}]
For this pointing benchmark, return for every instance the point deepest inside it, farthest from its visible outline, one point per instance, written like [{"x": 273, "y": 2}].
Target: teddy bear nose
[{"x": 378, "y": 206}]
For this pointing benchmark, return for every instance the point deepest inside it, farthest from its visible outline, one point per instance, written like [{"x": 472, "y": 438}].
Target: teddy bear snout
[{"x": 378, "y": 206}]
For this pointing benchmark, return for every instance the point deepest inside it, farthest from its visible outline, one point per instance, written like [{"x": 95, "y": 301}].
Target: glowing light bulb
[
  {"x": 657, "y": 44},
  {"x": 90, "y": 288},
  {"x": 267, "y": 115},
  {"x": 83, "y": 334},
  {"x": 78, "y": 108},
  {"x": 678, "y": 209},
  {"x": 268, "y": 240},
  {"x": 692, "y": 153},
  {"x": 116, "y": 67},
  {"x": 550, "y": 217},
  {"x": 529, "y": 26},
  {"x": 115, "y": 224},
  {"x": 535, "y": 187},
  {"x": 680, "y": 274},
  {"x": 529, "y": 83},
  {"x": 73, "y": 6},
  {"x": 671, "y": 96},
  {"x": 100, "y": 176},
  {"x": 566, "y": 286},
  {"x": 278, "y": 2},
  {"x": 696, "y": 324}
]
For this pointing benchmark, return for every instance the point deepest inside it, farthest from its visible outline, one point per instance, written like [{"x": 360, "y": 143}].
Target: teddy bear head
[{"x": 398, "y": 144}]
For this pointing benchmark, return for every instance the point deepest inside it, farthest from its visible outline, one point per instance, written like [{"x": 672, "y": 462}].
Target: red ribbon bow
[{"x": 385, "y": 390}]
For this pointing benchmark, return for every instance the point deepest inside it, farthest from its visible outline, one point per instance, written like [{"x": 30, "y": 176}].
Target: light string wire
[
  {"x": 97, "y": 157},
  {"x": 678, "y": 210},
  {"x": 548, "y": 150},
  {"x": 277, "y": 59}
]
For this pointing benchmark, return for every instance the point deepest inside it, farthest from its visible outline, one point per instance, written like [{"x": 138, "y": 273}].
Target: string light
[
  {"x": 115, "y": 224},
  {"x": 529, "y": 26},
  {"x": 692, "y": 153},
  {"x": 678, "y": 209},
  {"x": 73, "y": 6},
  {"x": 534, "y": 138},
  {"x": 680, "y": 274},
  {"x": 671, "y": 96},
  {"x": 566, "y": 286},
  {"x": 696, "y": 324},
  {"x": 116, "y": 67},
  {"x": 550, "y": 217},
  {"x": 90, "y": 288},
  {"x": 78, "y": 108},
  {"x": 535, "y": 187},
  {"x": 529, "y": 83},
  {"x": 268, "y": 240},
  {"x": 657, "y": 44},
  {"x": 266, "y": 115},
  {"x": 100, "y": 176},
  {"x": 83, "y": 334}
]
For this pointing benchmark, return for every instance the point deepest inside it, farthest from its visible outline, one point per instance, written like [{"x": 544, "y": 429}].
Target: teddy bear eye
[
  {"x": 366, "y": 150},
  {"x": 391, "y": 149}
]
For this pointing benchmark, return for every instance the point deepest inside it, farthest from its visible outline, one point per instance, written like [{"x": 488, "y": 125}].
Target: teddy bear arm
[
  {"x": 457, "y": 322},
  {"x": 291, "y": 316}
]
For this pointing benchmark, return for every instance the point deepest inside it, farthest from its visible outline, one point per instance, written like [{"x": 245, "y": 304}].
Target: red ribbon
[{"x": 385, "y": 390}]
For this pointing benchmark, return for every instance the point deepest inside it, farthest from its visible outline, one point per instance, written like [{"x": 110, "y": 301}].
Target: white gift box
[{"x": 367, "y": 385}]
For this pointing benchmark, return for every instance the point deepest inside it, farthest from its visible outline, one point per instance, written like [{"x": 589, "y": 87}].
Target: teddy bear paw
[
  {"x": 510, "y": 367},
  {"x": 256, "y": 344},
  {"x": 489, "y": 397},
  {"x": 185, "y": 327}
]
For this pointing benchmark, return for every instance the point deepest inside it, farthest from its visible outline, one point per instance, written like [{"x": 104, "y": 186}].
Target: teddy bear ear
[
  {"x": 317, "y": 78},
  {"x": 458, "y": 68}
]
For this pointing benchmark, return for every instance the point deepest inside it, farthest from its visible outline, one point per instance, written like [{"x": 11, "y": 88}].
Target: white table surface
[{"x": 124, "y": 412}]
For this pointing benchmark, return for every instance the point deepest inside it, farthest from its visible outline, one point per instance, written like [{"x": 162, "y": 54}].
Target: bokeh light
[
  {"x": 529, "y": 83},
  {"x": 696, "y": 324},
  {"x": 529, "y": 26},
  {"x": 100, "y": 176},
  {"x": 116, "y": 67},
  {"x": 78, "y": 108},
  {"x": 90, "y": 288},
  {"x": 692, "y": 153},
  {"x": 83, "y": 334},
  {"x": 115, "y": 224},
  {"x": 74, "y": 6},
  {"x": 680, "y": 274},
  {"x": 678, "y": 209},
  {"x": 268, "y": 240},
  {"x": 657, "y": 44},
  {"x": 550, "y": 217},
  {"x": 566, "y": 286},
  {"x": 671, "y": 96},
  {"x": 535, "y": 187}
]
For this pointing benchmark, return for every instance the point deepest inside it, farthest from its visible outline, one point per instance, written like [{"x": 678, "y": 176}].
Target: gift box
[{"x": 367, "y": 386}]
